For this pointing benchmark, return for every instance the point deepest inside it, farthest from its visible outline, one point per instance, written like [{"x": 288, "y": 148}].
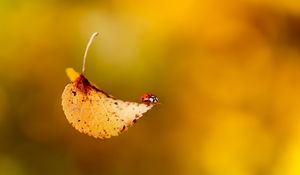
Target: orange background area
[{"x": 227, "y": 74}]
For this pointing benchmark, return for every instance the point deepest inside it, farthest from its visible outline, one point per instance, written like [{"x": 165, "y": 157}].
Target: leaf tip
[{"x": 72, "y": 74}]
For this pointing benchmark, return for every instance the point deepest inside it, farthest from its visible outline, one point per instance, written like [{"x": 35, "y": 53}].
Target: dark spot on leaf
[
  {"x": 134, "y": 121},
  {"x": 78, "y": 120},
  {"x": 116, "y": 103},
  {"x": 123, "y": 128},
  {"x": 74, "y": 93},
  {"x": 85, "y": 86}
]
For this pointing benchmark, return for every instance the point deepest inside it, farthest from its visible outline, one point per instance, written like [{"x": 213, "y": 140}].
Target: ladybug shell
[{"x": 149, "y": 98}]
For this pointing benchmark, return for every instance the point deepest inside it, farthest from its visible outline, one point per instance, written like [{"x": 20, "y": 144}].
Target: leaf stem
[{"x": 86, "y": 51}]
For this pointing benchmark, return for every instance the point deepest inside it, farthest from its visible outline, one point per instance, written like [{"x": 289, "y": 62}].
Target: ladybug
[{"x": 149, "y": 98}]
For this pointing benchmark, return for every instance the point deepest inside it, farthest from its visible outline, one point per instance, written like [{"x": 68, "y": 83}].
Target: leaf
[{"x": 96, "y": 113}]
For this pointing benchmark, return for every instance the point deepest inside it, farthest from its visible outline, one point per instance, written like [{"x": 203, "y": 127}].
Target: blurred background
[{"x": 226, "y": 71}]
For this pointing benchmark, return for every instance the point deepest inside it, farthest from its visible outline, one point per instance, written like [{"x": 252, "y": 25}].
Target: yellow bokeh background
[{"x": 227, "y": 74}]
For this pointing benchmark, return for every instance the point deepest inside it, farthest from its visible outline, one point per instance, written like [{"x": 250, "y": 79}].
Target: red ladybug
[{"x": 149, "y": 98}]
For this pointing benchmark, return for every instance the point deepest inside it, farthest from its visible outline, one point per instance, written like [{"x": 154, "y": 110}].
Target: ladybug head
[{"x": 149, "y": 98}]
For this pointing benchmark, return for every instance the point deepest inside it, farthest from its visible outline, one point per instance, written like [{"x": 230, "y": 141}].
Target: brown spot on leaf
[
  {"x": 74, "y": 93},
  {"x": 85, "y": 86},
  {"x": 123, "y": 128}
]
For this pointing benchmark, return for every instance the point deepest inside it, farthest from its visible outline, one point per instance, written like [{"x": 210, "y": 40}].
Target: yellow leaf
[{"x": 96, "y": 113}]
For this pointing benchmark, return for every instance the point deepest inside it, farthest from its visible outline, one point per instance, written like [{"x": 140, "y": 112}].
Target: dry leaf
[{"x": 96, "y": 113}]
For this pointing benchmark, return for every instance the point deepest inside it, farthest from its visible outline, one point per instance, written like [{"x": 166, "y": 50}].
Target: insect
[
  {"x": 94, "y": 112},
  {"x": 149, "y": 98}
]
